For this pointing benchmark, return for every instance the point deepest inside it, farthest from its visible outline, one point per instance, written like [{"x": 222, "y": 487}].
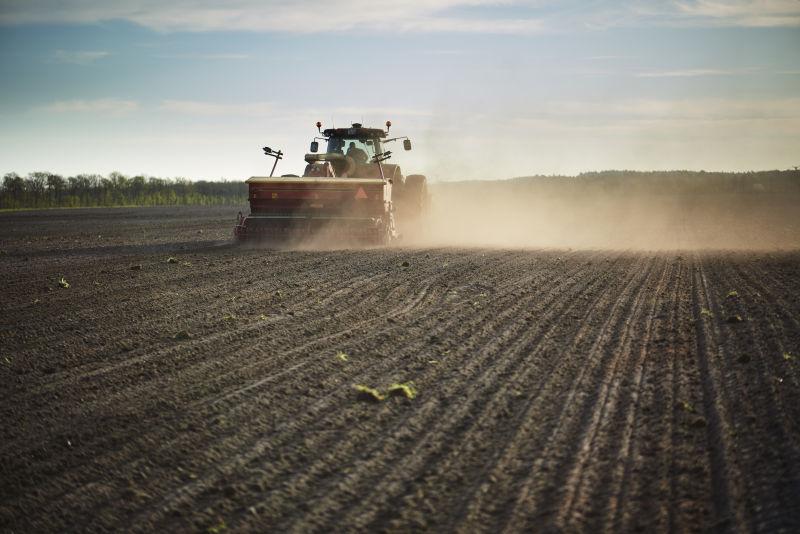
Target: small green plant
[
  {"x": 172, "y": 260},
  {"x": 732, "y": 294},
  {"x": 219, "y": 527},
  {"x": 367, "y": 393},
  {"x": 406, "y": 390},
  {"x": 63, "y": 283},
  {"x": 686, "y": 407},
  {"x": 263, "y": 317},
  {"x": 706, "y": 312},
  {"x": 342, "y": 356},
  {"x": 788, "y": 356},
  {"x": 229, "y": 317}
]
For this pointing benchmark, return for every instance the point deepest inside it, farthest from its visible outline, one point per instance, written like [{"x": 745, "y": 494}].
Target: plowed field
[{"x": 182, "y": 384}]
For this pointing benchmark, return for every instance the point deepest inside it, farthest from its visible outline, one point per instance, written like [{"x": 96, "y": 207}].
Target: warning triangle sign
[{"x": 361, "y": 193}]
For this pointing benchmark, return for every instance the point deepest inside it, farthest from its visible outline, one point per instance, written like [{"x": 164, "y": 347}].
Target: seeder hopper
[{"x": 346, "y": 194}]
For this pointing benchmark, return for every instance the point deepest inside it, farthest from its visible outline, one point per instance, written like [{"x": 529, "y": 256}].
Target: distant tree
[{"x": 55, "y": 187}]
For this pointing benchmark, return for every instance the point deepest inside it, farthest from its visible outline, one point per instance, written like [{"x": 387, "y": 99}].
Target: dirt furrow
[
  {"x": 725, "y": 477},
  {"x": 604, "y": 462},
  {"x": 762, "y": 407},
  {"x": 425, "y": 455},
  {"x": 557, "y": 390},
  {"x": 258, "y": 449}
]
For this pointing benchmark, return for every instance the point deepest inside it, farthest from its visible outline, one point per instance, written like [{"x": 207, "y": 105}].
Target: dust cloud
[{"x": 581, "y": 214}]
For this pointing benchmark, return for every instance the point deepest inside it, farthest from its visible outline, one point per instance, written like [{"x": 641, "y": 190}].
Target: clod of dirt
[
  {"x": 405, "y": 264},
  {"x": 368, "y": 394},
  {"x": 734, "y": 319},
  {"x": 698, "y": 422},
  {"x": 136, "y": 267},
  {"x": 182, "y": 336},
  {"x": 406, "y": 390},
  {"x": 743, "y": 358}
]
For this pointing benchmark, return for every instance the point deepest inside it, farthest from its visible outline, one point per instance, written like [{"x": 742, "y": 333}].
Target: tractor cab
[{"x": 351, "y": 152}]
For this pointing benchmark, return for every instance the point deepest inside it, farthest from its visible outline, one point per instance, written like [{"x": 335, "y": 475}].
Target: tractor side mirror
[
  {"x": 314, "y": 146},
  {"x": 406, "y": 144}
]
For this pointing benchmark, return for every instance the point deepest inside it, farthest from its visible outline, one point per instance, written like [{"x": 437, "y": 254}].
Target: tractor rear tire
[{"x": 415, "y": 194}]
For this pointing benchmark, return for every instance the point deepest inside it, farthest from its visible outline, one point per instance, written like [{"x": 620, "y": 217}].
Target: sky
[{"x": 484, "y": 89}]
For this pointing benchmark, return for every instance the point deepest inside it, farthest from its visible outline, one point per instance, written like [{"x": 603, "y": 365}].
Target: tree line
[
  {"x": 49, "y": 190},
  {"x": 686, "y": 182}
]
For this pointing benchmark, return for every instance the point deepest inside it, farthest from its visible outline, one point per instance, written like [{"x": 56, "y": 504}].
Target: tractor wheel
[
  {"x": 415, "y": 194},
  {"x": 412, "y": 206}
]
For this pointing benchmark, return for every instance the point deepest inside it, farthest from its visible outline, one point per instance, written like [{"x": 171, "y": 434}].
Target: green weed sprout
[
  {"x": 367, "y": 393},
  {"x": 406, "y": 390}
]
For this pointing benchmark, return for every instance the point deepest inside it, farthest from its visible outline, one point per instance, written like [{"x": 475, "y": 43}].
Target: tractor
[{"x": 347, "y": 194}]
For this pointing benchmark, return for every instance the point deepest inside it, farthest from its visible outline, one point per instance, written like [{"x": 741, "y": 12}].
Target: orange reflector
[{"x": 361, "y": 193}]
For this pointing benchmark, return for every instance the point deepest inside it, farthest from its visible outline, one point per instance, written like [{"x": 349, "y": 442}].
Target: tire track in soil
[
  {"x": 614, "y": 419},
  {"x": 725, "y": 475},
  {"x": 618, "y": 512},
  {"x": 155, "y": 431},
  {"x": 133, "y": 359},
  {"x": 380, "y": 492},
  {"x": 571, "y": 418},
  {"x": 484, "y": 416},
  {"x": 759, "y": 409},
  {"x": 781, "y": 314},
  {"x": 112, "y": 311},
  {"x": 171, "y": 349},
  {"x": 663, "y": 447},
  {"x": 379, "y": 483},
  {"x": 319, "y": 417}
]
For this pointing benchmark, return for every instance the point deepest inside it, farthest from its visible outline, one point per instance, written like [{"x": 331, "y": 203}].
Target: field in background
[
  {"x": 621, "y": 210},
  {"x": 48, "y": 190}
]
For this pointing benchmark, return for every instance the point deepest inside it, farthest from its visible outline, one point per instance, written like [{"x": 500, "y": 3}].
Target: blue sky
[{"x": 484, "y": 89}]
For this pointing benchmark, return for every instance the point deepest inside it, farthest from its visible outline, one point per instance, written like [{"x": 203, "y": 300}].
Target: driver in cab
[{"x": 358, "y": 155}]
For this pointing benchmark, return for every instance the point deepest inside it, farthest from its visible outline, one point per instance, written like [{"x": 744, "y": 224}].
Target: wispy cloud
[
  {"x": 689, "y": 73},
  {"x": 211, "y": 57},
  {"x": 79, "y": 57},
  {"x": 101, "y": 106},
  {"x": 608, "y": 58},
  {"x": 756, "y": 13},
  {"x": 275, "y": 15},
  {"x": 694, "y": 109},
  {"x": 193, "y": 107},
  {"x": 515, "y": 17}
]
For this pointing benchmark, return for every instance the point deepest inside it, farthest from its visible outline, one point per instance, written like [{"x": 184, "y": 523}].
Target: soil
[{"x": 181, "y": 383}]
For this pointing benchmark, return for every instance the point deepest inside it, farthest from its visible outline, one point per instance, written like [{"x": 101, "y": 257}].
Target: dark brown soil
[{"x": 557, "y": 390}]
